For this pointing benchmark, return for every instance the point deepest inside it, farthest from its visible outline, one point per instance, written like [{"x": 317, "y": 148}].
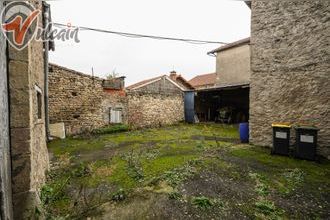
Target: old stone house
[
  {"x": 290, "y": 65},
  {"x": 231, "y": 83},
  {"x": 84, "y": 102},
  {"x": 23, "y": 150},
  {"x": 157, "y": 101}
]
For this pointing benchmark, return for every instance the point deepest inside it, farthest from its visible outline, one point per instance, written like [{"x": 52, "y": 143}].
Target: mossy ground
[{"x": 179, "y": 172}]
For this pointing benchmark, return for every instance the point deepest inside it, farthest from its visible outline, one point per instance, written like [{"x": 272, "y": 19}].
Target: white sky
[{"x": 139, "y": 59}]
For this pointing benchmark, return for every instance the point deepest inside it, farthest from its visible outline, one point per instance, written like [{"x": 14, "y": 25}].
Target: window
[
  {"x": 115, "y": 116},
  {"x": 39, "y": 102}
]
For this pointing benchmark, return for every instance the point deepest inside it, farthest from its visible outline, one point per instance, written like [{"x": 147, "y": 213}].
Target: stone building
[
  {"x": 230, "y": 90},
  {"x": 23, "y": 151},
  {"x": 157, "y": 101},
  {"x": 83, "y": 102},
  {"x": 233, "y": 63},
  {"x": 290, "y": 65}
]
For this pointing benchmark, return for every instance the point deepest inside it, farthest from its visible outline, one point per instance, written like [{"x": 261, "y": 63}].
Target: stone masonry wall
[
  {"x": 290, "y": 68},
  {"x": 28, "y": 140},
  {"x": 154, "y": 109},
  {"x": 80, "y": 101},
  {"x": 5, "y": 165}
]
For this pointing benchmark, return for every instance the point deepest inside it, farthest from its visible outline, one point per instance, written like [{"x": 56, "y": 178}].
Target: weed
[
  {"x": 118, "y": 196},
  {"x": 134, "y": 168},
  {"x": 294, "y": 176},
  {"x": 111, "y": 129},
  {"x": 268, "y": 208},
  {"x": 152, "y": 154},
  {"x": 202, "y": 202},
  {"x": 200, "y": 145},
  {"x": 82, "y": 170},
  {"x": 178, "y": 175},
  {"x": 261, "y": 188},
  {"x": 265, "y": 207},
  {"x": 175, "y": 196},
  {"x": 290, "y": 180}
]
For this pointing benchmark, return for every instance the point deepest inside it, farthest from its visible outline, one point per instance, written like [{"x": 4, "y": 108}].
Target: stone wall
[
  {"x": 28, "y": 139},
  {"x": 154, "y": 109},
  {"x": 80, "y": 101},
  {"x": 5, "y": 177},
  {"x": 290, "y": 67}
]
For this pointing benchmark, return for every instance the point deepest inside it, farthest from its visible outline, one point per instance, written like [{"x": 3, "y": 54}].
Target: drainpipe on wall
[
  {"x": 47, "y": 47},
  {"x": 46, "y": 91}
]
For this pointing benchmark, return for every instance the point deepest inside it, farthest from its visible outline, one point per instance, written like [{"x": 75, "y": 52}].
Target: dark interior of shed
[{"x": 223, "y": 105}]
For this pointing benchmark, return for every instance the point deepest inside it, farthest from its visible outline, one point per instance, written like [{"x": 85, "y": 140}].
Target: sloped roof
[
  {"x": 204, "y": 80},
  {"x": 248, "y": 2},
  {"x": 144, "y": 82},
  {"x": 155, "y": 79},
  {"x": 231, "y": 45},
  {"x": 53, "y": 65},
  {"x": 180, "y": 80}
]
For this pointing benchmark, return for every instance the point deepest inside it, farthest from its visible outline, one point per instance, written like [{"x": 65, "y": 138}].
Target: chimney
[
  {"x": 173, "y": 75},
  {"x": 115, "y": 83}
]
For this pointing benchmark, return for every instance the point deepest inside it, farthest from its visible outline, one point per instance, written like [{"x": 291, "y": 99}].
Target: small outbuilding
[
  {"x": 157, "y": 101},
  {"x": 226, "y": 98}
]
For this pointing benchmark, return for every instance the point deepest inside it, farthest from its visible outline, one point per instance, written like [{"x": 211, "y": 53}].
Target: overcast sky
[{"x": 139, "y": 59}]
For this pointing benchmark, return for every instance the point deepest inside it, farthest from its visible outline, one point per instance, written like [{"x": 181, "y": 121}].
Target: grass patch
[
  {"x": 170, "y": 166},
  {"x": 162, "y": 162},
  {"x": 202, "y": 202},
  {"x": 261, "y": 187},
  {"x": 280, "y": 167},
  {"x": 267, "y": 210},
  {"x": 111, "y": 129},
  {"x": 120, "y": 176},
  {"x": 74, "y": 145}
]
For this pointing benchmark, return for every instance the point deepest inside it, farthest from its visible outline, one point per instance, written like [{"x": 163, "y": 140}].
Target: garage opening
[{"x": 223, "y": 105}]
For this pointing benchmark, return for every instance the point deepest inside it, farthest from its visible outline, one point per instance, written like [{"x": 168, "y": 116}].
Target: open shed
[{"x": 229, "y": 104}]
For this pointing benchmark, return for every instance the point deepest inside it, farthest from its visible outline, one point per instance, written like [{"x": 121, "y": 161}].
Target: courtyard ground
[{"x": 181, "y": 172}]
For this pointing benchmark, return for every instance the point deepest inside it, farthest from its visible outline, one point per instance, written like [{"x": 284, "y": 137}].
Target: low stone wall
[
  {"x": 154, "y": 109},
  {"x": 290, "y": 68},
  {"x": 80, "y": 101}
]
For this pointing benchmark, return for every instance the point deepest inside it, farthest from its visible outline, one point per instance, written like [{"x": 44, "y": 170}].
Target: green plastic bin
[{"x": 306, "y": 142}]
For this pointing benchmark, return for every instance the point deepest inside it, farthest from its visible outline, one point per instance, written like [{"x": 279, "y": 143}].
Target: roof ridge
[
  {"x": 143, "y": 82},
  {"x": 231, "y": 45},
  {"x": 76, "y": 71}
]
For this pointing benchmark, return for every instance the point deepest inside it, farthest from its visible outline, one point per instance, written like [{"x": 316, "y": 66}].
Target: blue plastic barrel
[{"x": 244, "y": 132}]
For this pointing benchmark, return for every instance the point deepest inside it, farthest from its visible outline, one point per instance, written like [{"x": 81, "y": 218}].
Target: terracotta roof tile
[{"x": 204, "y": 80}]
